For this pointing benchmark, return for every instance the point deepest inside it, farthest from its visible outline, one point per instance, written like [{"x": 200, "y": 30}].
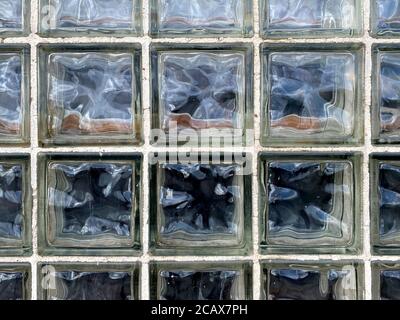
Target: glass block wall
[{"x": 163, "y": 149}]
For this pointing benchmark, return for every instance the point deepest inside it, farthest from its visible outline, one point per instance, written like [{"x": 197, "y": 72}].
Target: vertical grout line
[
  {"x": 146, "y": 78},
  {"x": 34, "y": 145},
  {"x": 257, "y": 115},
  {"x": 366, "y": 153}
]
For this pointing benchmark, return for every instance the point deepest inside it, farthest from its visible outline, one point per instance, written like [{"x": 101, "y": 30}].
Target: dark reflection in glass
[
  {"x": 74, "y": 285},
  {"x": 11, "y": 198},
  {"x": 389, "y": 201},
  {"x": 309, "y": 201},
  {"x": 298, "y": 284},
  {"x": 11, "y": 285},
  {"x": 87, "y": 200},
  {"x": 191, "y": 285},
  {"x": 199, "y": 202},
  {"x": 390, "y": 284}
]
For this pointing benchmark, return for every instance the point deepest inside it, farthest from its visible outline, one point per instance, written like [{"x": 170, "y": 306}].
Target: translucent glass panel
[
  {"x": 309, "y": 203},
  {"x": 177, "y": 281},
  {"x": 87, "y": 17},
  {"x": 14, "y": 94},
  {"x": 199, "y": 207},
  {"x": 15, "y": 280},
  {"x": 90, "y": 205},
  {"x": 201, "y": 17},
  {"x": 14, "y": 17},
  {"x": 203, "y": 90},
  {"x": 88, "y": 281},
  {"x": 90, "y": 95},
  {"x": 311, "y": 94},
  {"x": 312, "y": 281},
  {"x": 309, "y": 18}
]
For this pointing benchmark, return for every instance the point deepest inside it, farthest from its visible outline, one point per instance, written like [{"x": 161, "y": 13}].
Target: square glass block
[
  {"x": 90, "y": 94},
  {"x": 85, "y": 281},
  {"x": 15, "y": 281},
  {"x": 90, "y": 17},
  {"x": 176, "y": 281},
  {"x": 202, "y": 92},
  {"x": 14, "y": 94},
  {"x": 15, "y": 205},
  {"x": 14, "y": 17},
  {"x": 310, "y": 18},
  {"x": 90, "y": 204},
  {"x": 385, "y": 18},
  {"x": 322, "y": 280},
  {"x": 201, "y": 17},
  {"x": 310, "y": 202},
  {"x": 200, "y": 206},
  {"x": 312, "y": 94},
  {"x": 385, "y": 280},
  {"x": 385, "y": 94},
  {"x": 385, "y": 203}
]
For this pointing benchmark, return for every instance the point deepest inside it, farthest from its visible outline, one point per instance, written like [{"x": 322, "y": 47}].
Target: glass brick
[
  {"x": 200, "y": 281},
  {"x": 202, "y": 93},
  {"x": 310, "y": 203},
  {"x": 198, "y": 205},
  {"x": 309, "y": 18},
  {"x": 385, "y": 280},
  {"x": 385, "y": 232},
  {"x": 90, "y": 17},
  {"x": 201, "y": 18},
  {"x": 14, "y": 17},
  {"x": 385, "y": 18},
  {"x": 385, "y": 98},
  {"x": 85, "y": 281},
  {"x": 90, "y": 204},
  {"x": 90, "y": 94},
  {"x": 14, "y": 94},
  {"x": 15, "y": 205},
  {"x": 323, "y": 280},
  {"x": 15, "y": 282},
  {"x": 312, "y": 94}
]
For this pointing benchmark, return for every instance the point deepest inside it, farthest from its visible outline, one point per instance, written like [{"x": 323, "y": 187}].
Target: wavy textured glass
[
  {"x": 11, "y": 286},
  {"x": 385, "y": 17},
  {"x": 389, "y": 97},
  {"x": 86, "y": 285},
  {"x": 200, "y": 205},
  {"x": 107, "y": 16},
  {"x": 310, "y": 96},
  {"x": 389, "y": 204},
  {"x": 201, "y": 90},
  {"x": 310, "y": 204},
  {"x": 91, "y": 94},
  {"x": 11, "y": 115},
  {"x": 310, "y": 17},
  {"x": 173, "y": 281},
  {"x": 11, "y": 204},
  {"x": 90, "y": 204},
  {"x": 311, "y": 283},
  {"x": 11, "y": 15},
  {"x": 200, "y": 17},
  {"x": 390, "y": 284}
]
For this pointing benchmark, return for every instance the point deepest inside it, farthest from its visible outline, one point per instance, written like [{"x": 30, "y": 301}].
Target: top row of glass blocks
[{"x": 169, "y": 18}]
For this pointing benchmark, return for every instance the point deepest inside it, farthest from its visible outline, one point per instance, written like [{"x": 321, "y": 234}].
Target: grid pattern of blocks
[{"x": 320, "y": 204}]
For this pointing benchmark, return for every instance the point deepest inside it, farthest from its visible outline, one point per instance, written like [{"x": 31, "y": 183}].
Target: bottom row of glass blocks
[{"x": 325, "y": 280}]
